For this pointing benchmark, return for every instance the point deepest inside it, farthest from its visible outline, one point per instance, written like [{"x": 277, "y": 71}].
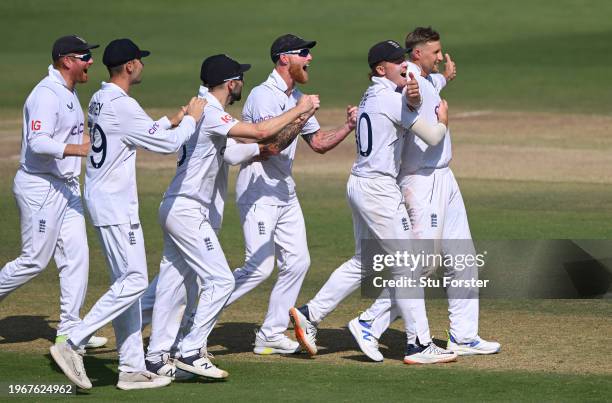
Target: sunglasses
[
  {"x": 301, "y": 52},
  {"x": 238, "y": 78},
  {"x": 84, "y": 57}
]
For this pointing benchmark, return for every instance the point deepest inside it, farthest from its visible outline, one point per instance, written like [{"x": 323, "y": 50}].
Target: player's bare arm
[
  {"x": 282, "y": 140},
  {"x": 325, "y": 140},
  {"x": 271, "y": 127}
]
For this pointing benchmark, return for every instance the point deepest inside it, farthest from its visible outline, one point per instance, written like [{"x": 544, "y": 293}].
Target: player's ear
[{"x": 380, "y": 69}]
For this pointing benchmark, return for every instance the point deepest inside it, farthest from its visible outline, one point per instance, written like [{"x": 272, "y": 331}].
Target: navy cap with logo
[
  {"x": 121, "y": 51},
  {"x": 288, "y": 42},
  {"x": 70, "y": 44},
  {"x": 220, "y": 68},
  {"x": 385, "y": 51}
]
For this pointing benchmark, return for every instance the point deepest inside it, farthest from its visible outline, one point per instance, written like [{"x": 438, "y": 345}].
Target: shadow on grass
[
  {"x": 238, "y": 337},
  {"x": 24, "y": 328}
]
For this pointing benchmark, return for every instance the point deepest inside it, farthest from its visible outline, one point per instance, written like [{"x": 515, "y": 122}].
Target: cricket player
[
  {"x": 385, "y": 116},
  {"x": 270, "y": 212},
  {"x": 118, "y": 125},
  {"x": 191, "y": 247},
  {"x": 46, "y": 186},
  {"x": 435, "y": 207}
]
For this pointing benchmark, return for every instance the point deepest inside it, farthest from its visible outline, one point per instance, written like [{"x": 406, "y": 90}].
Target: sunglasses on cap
[
  {"x": 239, "y": 78},
  {"x": 301, "y": 52},
  {"x": 85, "y": 57}
]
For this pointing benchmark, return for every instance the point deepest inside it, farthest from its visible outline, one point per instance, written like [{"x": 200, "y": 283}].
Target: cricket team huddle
[{"x": 400, "y": 188}]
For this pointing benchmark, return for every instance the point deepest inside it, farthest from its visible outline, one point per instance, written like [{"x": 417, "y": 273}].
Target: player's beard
[
  {"x": 235, "y": 95},
  {"x": 298, "y": 74}
]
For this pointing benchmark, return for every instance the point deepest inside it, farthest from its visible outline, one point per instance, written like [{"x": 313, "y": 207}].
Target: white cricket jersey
[
  {"x": 416, "y": 153},
  {"x": 383, "y": 119},
  {"x": 52, "y": 114},
  {"x": 201, "y": 161},
  {"x": 270, "y": 182},
  {"x": 117, "y": 125}
]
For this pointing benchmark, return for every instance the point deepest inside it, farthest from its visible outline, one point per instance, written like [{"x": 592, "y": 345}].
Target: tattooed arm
[
  {"x": 324, "y": 140},
  {"x": 285, "y": 137}
]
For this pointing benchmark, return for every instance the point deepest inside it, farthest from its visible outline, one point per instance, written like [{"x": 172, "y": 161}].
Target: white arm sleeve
[
  {"x": 48, "y": 146},
  {"x": 431, "y": 135},
  {"x": 237, "y": 153},
  {"x": 141, "y": 131}
]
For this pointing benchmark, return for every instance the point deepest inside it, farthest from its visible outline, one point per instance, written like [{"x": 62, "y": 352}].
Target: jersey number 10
[{"x": 361, "y": 131}]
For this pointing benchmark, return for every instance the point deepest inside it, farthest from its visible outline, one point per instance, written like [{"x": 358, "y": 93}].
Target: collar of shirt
[
  {"x": 275, "y": 80},
  {"x": 112, "y": 87},
  {"x": 213, "y": 101},
  {"x": 202, "y": 92},
  {"x": 57, "y": 77},
  {"x": 385, "y": 82}
]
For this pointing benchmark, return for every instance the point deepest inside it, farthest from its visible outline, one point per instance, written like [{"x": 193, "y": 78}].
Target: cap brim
[
  {"x": 144, "y": 53},
  {"x": 244, "y": 67},
  {"x": 92, "y": 46}
]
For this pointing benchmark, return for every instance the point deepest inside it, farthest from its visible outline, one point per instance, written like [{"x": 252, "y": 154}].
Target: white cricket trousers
[
  {"x": 124, "y": 249},
  {"x": 192, "y": 253},
  {"x": 52, "y": 224},
  {"x": 437, "y": 211},
  {"x": 378, "y": 213},
  {"x": 273, "y": 232}
]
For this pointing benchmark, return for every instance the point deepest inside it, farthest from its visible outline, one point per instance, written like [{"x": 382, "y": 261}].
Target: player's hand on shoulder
[
  {"x": 195, "y": 108},
  {"x": 450, "y": 69},
  {"x": 442, "y": 112},
  {"x": 178, "y": 116},
  {"x": 413, "y": 93}
]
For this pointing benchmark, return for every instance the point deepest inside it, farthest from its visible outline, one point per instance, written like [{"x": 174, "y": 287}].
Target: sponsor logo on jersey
[
  {"x": 42, "y": 226},
  {"x": 36, "y": 125},
  {"x": 70, "y": 106},
  {"x": 283, "y": 107},
  {"x": 154, "y": 128},
  {"x": 227, "y": 118},
  {"x": 434, "y": 220},
  {"x": 78, "y": 129},
  {"x": 208, "y": 243}
]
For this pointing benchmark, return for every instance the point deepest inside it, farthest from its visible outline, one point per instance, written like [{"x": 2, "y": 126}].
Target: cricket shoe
[
  {"x": 429, "y": 354},
  {"x": 305, "y": 331},
  {"x": 284, "y": 345},
  {"x": 166, "y": 367},
  {"x": 200, "y": 364},
  {"x": 141, "y": 380},
  {"x": 362, "y": 333},
  {"x": 474, "y": 347},
  {"x": 71, "y": 364},
  {"x": 93, "y": 342}
]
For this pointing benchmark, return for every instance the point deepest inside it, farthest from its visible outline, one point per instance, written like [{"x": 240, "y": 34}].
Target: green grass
[
  {"x": 291, "y": 381},
  {"x": 521, "y": 55}
]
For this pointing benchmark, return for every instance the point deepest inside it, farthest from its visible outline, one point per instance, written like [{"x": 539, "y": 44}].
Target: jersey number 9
[{"x": 98, "y": 146}]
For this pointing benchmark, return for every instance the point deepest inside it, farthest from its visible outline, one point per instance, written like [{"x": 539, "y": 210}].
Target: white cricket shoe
[
  {"x": 429, "y": 354},
  {"x": 71, "y": 363},
  {"x": 474, "y": 347},
  {"x": 284, "y": 345},
  {"x": 200, "y": 364},
  {"x": 93, "y": 342},
  {"x": 96, "y": 342},
  {"x": 362, "y": 333},
  {"x": 305, "y": 331},
  {"x": 141, "y": 380}
]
